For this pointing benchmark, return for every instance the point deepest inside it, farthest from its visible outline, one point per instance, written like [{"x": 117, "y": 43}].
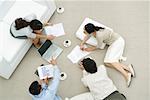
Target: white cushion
[
  {"x": 24, "y": 8},
  {"x": 92, "y": 40}
]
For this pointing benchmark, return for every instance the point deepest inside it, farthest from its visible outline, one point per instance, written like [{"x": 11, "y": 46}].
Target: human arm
[
  {"x": 88, "y": 49},
  {"x": 83, "y": 42},
  {"x": 44, "y": 83},
  {"x": 39, "y": 35},
  {"x": 56, "y": 78},
  {"x": 49, "y": 37},
  {"x": 84, "y": 78},
  {"x": 47, "y": 24}
]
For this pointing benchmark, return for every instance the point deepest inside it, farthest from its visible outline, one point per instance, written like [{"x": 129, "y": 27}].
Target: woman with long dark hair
[
  {"x": 30, "y": 28},
  {"x": 115, "y": 50}
]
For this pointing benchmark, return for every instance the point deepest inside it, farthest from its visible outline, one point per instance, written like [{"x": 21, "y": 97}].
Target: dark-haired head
[
  {"x": 89, "y": 65},
  {"x": 36, "y": 25},
  {"x": 90, "y": 28},
  {"x": 35, "y": 88},
  {"x": 20, "y": 23}
]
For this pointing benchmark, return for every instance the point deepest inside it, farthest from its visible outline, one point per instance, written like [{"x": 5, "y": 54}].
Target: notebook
[
  {"x": 49, "y": 50},
  {"x": 55, "y": 30},
  {"x": 45, "y": 71},
  {"x": 77, "y": 54}
]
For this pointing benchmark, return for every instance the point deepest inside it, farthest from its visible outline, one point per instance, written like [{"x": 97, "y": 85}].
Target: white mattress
[{"x": 11, "y": 46}]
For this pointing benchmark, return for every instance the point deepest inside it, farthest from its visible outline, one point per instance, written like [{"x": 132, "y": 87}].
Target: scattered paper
[
  {"x": 77, "y": 54},
  {"x": 56, "y": 30},
  {"x": 45, "y": 71}
]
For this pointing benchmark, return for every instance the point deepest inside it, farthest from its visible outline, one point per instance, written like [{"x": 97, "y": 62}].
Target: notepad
[
  {"x": 56, "y": 30},
  {"x": 45, "y": 71},
  {"x": 77, "y": 54}
]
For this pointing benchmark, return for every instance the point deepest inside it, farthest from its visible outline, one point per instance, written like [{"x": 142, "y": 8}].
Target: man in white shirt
[{"x": 100, "y": 85}]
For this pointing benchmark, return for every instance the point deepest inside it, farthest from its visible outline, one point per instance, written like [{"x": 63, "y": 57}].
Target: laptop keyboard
[{"x": 51, "y": 52}]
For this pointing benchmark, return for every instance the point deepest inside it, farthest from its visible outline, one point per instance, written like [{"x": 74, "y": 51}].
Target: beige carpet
[{"x": 129, "y": 18}]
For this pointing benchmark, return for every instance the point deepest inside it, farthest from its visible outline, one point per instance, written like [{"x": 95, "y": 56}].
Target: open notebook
[
  {"x": 45, "y": 71},
  {"x": 56, "y": 30},
  {"x": 77, "y": 54}
]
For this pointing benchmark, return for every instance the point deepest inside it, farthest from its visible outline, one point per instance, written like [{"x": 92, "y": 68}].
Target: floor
[{"x": 129, "y": 18}]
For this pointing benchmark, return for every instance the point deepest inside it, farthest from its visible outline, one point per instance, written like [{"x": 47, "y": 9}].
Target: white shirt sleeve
[
  {"x": 84, "y": 82},
  {"x": 31, "y": 35},
  {"x": 83, "y": 79}
]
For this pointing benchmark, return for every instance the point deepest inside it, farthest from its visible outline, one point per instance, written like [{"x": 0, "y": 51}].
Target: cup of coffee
[
  {"x": 63, "y": 76},
  {"x": 67, "y": 43},
  {"x": 60, "y": 10}
]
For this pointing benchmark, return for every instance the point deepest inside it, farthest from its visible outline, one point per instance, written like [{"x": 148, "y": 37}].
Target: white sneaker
[
  {"x": 131, "y": 70},
  {"x": 66, "y": 98},
  {"x": 129, "y": 79}
]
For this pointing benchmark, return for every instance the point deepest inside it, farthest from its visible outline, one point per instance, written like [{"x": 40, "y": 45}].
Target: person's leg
[
  {"x": 125, "y": 67},
  {"x": 113, "y": 54},
  {"x": 118, "y": 67},
  {"x": 127, "y": 75}
]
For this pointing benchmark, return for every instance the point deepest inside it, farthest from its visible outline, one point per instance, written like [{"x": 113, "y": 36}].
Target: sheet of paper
[
  {"x": 77, "y": 54},
  {"x": 56, "y": 30},
  {"x": 45, "y": 71}
]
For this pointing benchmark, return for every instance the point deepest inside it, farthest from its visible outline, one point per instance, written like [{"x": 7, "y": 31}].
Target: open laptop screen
[{"x": 44, "y": 47}]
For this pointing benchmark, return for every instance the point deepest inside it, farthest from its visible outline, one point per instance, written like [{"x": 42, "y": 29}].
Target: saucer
[
  {"x": 60, "y": 10},
  {"x": 67, "y": 43},
  {"x": 63, "y": 76}
]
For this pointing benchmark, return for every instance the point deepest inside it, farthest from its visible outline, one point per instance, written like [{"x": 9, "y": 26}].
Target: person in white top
[
  {"x": 114, "y": 52},
  {"x": 100, "y": 85},
  {"x": 30, "y": 27}
]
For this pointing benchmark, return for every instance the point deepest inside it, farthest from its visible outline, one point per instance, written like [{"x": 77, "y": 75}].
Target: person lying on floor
[
  {"x": 99, "y": 84},
  {"x": 44, "y": 90},
  {"x": 29, "y": 27}
]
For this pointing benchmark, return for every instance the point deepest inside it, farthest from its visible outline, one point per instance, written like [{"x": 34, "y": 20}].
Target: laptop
[{"x": 49, "y": 50}]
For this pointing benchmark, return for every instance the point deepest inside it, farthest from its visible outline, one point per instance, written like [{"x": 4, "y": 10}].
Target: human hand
[
  {"x": 50, "y": 37},
  {"x": 81, "y": 47},
  {"x": 87, "y": 49},
  {"x": 46, "y": 80},
  {"x": 48, "y": 24},
  {"x": 90, "y": 49},
  {"x": 53, "y": 61}
]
